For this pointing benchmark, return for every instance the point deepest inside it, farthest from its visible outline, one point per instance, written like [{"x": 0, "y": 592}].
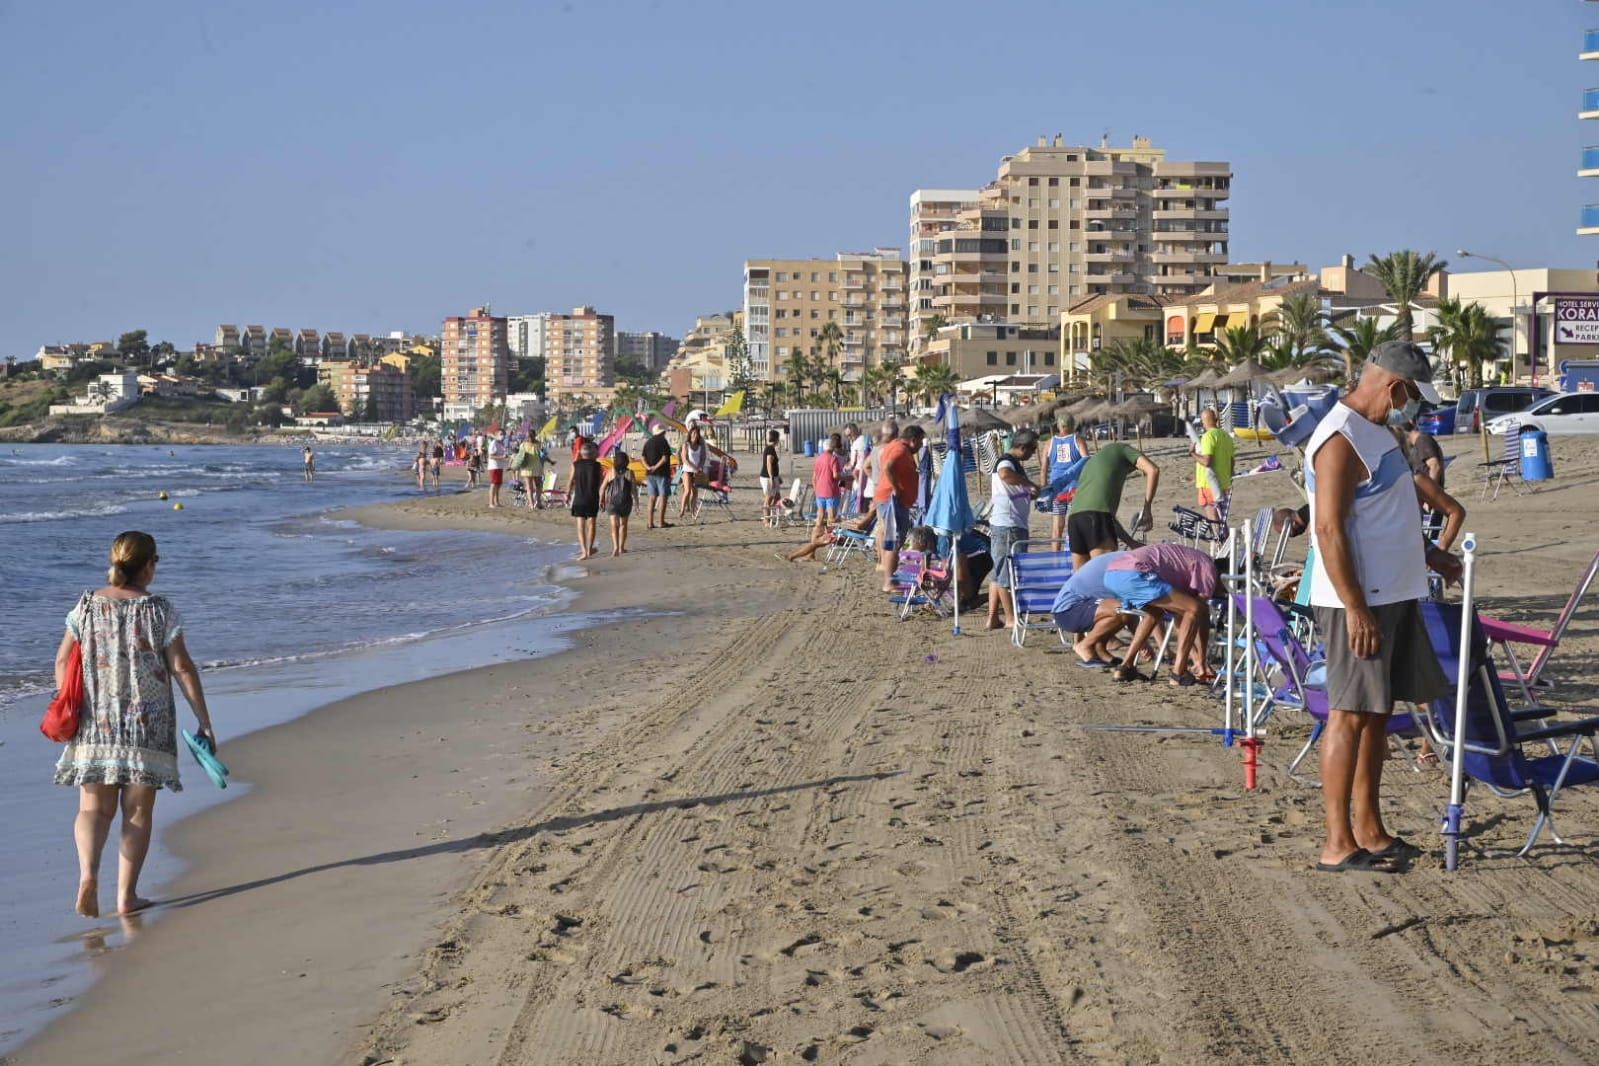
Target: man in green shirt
[
  {"x": 1091, "y": 524},
  {"x": 1213, "y": 465}
]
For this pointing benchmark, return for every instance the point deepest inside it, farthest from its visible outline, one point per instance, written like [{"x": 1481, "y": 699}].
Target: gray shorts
[
  {"x": 1405, "y": 667},
  {"x": 1000, "y": 540}
]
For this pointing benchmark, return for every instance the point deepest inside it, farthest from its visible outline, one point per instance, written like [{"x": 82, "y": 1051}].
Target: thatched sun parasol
[
  {"x": 1242, "y": 374},
  {"x": 981, "y": 420}
]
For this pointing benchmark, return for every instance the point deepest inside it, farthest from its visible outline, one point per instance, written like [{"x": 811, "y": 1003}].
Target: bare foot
[
  {"x": 994, "y": 623},
  {"x": 132, "y": 905},
  {"x": 89, "y": 899}
]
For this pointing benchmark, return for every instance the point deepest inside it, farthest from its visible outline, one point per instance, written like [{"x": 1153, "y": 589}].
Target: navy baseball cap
[{"x": 1408, "y": 361}]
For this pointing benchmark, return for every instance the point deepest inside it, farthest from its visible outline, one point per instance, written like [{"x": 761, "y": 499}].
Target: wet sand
[{"x": 778, "y": 826}]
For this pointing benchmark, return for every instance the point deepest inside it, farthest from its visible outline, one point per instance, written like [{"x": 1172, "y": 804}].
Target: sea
[{"x": 285, "y": 605}]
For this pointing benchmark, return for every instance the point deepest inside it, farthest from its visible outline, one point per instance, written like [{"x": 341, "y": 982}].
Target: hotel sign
[{"x": 1577, "y": 320}]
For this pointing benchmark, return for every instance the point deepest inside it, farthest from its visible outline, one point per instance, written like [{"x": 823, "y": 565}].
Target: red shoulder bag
[{"x": 61, "y": 718}]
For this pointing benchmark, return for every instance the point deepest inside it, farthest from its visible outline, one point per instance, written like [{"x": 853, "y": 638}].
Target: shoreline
[{"x": 777, "y": 824}]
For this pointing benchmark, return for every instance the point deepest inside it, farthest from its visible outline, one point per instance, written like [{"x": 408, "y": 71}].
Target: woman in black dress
[
  {"x": 617, "y": 492},
  {"x": 583, "y": 490}
]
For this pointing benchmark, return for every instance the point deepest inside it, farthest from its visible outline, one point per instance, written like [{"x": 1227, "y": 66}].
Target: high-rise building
[
  {"x": 358, "y": 388},
  {"x": 933, "y": 212},
  {"x": 651, "y": 350},
  {"x": 1589, "y": 166},
  {"x": 475, "y": 360},
  {"x": 1063, "y": 222},
  {"x": 527, "y": 335},
  {"x": 788, "y": 302},
  {"x": 580, "y": 349}
]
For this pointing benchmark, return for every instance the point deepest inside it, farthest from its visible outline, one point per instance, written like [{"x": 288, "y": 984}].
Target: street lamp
[{"x": 1515, "y": 298}]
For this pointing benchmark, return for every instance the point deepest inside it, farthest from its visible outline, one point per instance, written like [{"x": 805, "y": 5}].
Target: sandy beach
[{"x": 758, "y": 820}]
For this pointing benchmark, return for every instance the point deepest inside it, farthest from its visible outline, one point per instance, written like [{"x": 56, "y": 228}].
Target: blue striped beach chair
[{"x": 1036, "y": 578}]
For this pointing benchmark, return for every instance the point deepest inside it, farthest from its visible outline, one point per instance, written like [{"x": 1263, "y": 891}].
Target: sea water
[{"x": 285, "y": 606}]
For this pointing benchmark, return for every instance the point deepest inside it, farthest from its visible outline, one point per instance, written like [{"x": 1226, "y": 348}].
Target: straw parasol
[
  {"x": 1242, "y": 374},
  {"x": 1322, "y": 370},
  {"x": 1137, "y": 407},
  {"x": 1027, "y": 414},
  {"x": 981, "y": 420},
  {"x": 1205, "y": 379}
]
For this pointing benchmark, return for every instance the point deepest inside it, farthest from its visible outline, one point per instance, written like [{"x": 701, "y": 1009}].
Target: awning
[
  {"x": 1238, "y": 319},
  {"x": 1205, "y": 322},
  {"x": 1174, "y": 326}
]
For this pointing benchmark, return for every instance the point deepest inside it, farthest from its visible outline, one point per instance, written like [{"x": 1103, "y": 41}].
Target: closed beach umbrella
[{"x": 950, "y": 511}]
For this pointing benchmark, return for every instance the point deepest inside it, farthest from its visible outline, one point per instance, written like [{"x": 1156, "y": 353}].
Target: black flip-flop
[
  {"x": 1126, "y": 675},
  {"x": 1358, "y": 861},
  {"x": 1398, "y": 849},
  {"x": 1093, "y": 664}
]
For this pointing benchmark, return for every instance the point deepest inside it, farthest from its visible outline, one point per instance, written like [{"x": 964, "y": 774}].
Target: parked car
[
  {"x": 1571, "y": 412},
  {"x": 1439, "y": 421},
  {"x": 1475, "y": 405}
]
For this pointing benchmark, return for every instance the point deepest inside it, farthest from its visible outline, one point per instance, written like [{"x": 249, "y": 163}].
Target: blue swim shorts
[{"x": 1135, "y": 588}]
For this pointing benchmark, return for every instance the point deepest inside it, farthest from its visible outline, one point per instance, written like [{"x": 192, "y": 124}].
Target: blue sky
[{"x": 375, "y": 166}]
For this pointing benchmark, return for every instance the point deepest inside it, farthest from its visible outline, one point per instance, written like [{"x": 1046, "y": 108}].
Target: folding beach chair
[
  {"x": 1294, "y": 677},
  {"x": 1496, "y": 736},
  {"x": 1496, "y": 472},
  {"x": 1197, "y": 529},
  {"x": 716, "y": 494},
  {"x": 551, "y": 493},
  {"x": 1036, "y": 578},
  {"x": 848, "y": 542},
  {"x": 907, "y": 578},
  {"x": 921, "y": 583},
  {"x": 793, "y": 508},
  {"x": 1509, "y": 634}
]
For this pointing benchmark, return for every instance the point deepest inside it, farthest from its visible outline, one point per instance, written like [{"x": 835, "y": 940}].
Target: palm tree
[
  {"x": 817, "y": 370},
  {"x": 1358, "y": 341},
  {"x": 1405, "y": 275},
  {"x": 1301, "y": 324},
  {"x": 933, "y": 324},
  {"x": 1238, "y": 343},
  {"x": 888, "y": 377},
  {"x": 835, "y": 384},
  {"x": 1467, "y": 336},
  {"x": 798, "y": 368},
  {"x": 832, "y": 340},
  {"x": 932, "y": 380}
]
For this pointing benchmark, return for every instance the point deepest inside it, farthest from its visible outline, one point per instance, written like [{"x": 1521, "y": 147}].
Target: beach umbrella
[
  {"x": 1242, "y": 374},
  {"x": 1205, "y": 379},
  {"x": 1322, "y": 370},
  {"x": 1026, "y": 415},
  {"x": 950, "y": 510},
  {"x": 1137, "y": 407},
  {"x": 982, "y": 420}
]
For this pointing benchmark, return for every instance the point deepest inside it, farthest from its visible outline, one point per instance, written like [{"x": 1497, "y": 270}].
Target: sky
[{"x": 369, "y": 167}]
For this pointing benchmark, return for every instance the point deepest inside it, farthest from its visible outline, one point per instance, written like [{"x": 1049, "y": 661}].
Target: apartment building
[
  {"x": 475, "y": 359},
  {"x": 934, "y": 212},
  {"x": 227, "y": 338},
  {"x": 700, "y": 362},
  {"x": 787, "y": 302},
  {"x": 1064, "y": 222},
  {"x": 334, "y": 345},
  {"x": 357, "y": 387},
  {"x": 580, "y": 353},
  {"x": 984, "y": 349},
  {"x": 649, "y": 349},
  {"x": 527, "y": 335},
  {"x": 1588, "y": 167},
  {"x": 308, "y": 347},
  {"x": 253, "y": 342}
]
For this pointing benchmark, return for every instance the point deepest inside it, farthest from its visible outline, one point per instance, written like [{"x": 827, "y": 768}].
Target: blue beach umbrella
[{"x": 950, "y": 511}]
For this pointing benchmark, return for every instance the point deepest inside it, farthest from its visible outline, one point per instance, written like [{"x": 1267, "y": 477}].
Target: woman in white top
[{"x": 695, "y": 458}]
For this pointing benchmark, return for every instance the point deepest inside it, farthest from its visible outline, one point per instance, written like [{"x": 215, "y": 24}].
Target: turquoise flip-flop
[{"x": 205, "y": 755}]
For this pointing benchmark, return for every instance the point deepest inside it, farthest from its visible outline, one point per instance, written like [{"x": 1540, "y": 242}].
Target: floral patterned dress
[{"x": 128, "y": 734}]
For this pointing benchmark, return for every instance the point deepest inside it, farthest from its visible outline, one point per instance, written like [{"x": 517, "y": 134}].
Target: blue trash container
[
  {"x": 810, "y": 449},
  {"x": 1536, "y": 463}
]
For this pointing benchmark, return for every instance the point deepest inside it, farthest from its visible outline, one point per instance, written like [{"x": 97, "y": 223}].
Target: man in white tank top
[{"x": 1371, "y": 572}]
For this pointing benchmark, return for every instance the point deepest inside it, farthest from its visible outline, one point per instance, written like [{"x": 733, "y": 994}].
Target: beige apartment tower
[
  {"x": 580, "y": 349},
  {"x": 1065, "y": 222},
  {"x": 475, "y": 360},
  {"x": 787, "y": 302}
]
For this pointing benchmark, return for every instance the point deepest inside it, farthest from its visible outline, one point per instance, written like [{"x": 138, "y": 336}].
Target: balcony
[
  {"x": 1205, "y": 236},
  {"x": 1109, "y": 257},
  {"x": 1110, "y": 212},
  {"x": 1590, "y": 104},
  {"x": 759, "y": 292},
  {"x": 1189, "y": 213},
  {"x": 1188, "y": 257},
  {"x": 1590, "y": 45},
  {"x": 1590, "y": 162},
  {"x": 1590, "y": 219}
]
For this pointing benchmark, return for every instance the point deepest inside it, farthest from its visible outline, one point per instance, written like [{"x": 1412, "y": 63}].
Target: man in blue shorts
[
  {"x": 658, "y": 473},
  {"x": 1085, "y": 607}
]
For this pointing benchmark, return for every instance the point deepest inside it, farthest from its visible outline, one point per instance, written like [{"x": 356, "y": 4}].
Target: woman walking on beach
[
  {"x": 437, "y": 465},
  {"x": 420, "y": 465},
  {"x": 617, "y": 492},
  {"x": 695, "y": 457},
  {"x": 826, "y": 474},
  {"x": 126, "y": 747},
  {"x": 771, "y": 480},
  {"x": 583, "y": 494}
]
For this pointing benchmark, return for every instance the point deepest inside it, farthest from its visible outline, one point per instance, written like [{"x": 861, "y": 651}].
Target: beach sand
[{"x": 775, "y": 825}]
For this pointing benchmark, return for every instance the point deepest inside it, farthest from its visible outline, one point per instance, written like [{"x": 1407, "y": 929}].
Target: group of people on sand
[{"x": 1371, "y": 475}]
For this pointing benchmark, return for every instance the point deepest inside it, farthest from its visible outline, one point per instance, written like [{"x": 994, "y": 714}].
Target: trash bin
[
  {"x": 810, "y": 449},
  {"x": 1536, "y": 463}
]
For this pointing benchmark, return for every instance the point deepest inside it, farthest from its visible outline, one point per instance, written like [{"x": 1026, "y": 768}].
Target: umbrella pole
[
  {"x": 1232, "y": 636},
  {"x": 955, "y": 569},
  {"x": 1252, "y": 742},
  {"x": 1457, "y": 767}
]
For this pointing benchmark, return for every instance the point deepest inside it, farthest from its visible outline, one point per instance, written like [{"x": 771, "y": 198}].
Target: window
[
  {"x": 1032, "y": 268},
  {"x": 1054, "y": 202},
  {"x": 1073, "y": 225},
  {"x": 1076, "y": 290},
  {"x": 1053, "y": 310},
  {"x": 1073, "y": 268},
  {"x": 1053, "y": 182},
  {"x": 1015, "y": 223},
  {"x": 815, "y": 295},
  {"x": 1015, "y": 309},
  {"x": 1056, "y": 225},
  {"x": 1054, "y": 246},
  {"x": 781, "y": 277},
  {"x": 1032, "y": 246},
  {"x": 1015, "y": 267},
  {"x": 993, "y": 358},
  {"x": 1032, "y": 223},
  {"x": 1032, "y": 203},
  {"x": 1054, "y": 290},
  {"x": 1076, "y": 205},
  {"x": 1015, "y": 287},
  {"x": 1015, "y": 244},
  {"x": 1010, "y": 358},
  {"x": 1075, "y": 246},
  {"x": 813, "y": 277},
  {"x": 1049, "y": 358},
  {"x": 1076, "y": 182},
  {"x": 1032, "y": 310},
  {"x": 832, "y": 277},
  {"x": 1032, "y": 181}
]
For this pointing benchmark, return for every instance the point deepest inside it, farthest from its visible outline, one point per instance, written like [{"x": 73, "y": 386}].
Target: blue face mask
[{"x": 1398, "y": 416}]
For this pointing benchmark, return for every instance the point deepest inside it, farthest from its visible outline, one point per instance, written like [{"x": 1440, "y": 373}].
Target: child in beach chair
[{"x": 929, "y": 587}]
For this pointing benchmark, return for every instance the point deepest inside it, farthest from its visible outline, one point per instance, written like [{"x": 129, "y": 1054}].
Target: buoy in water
[
  {"x": 177, "y": 507},
  {"x": 162, "y": 496}
]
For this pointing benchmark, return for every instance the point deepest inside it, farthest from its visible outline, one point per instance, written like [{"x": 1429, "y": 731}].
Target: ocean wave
[
  {"x": 53, "y": 516},
  {"x": 60, "y": 460},
  {"x": 355, "y": 647}
]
